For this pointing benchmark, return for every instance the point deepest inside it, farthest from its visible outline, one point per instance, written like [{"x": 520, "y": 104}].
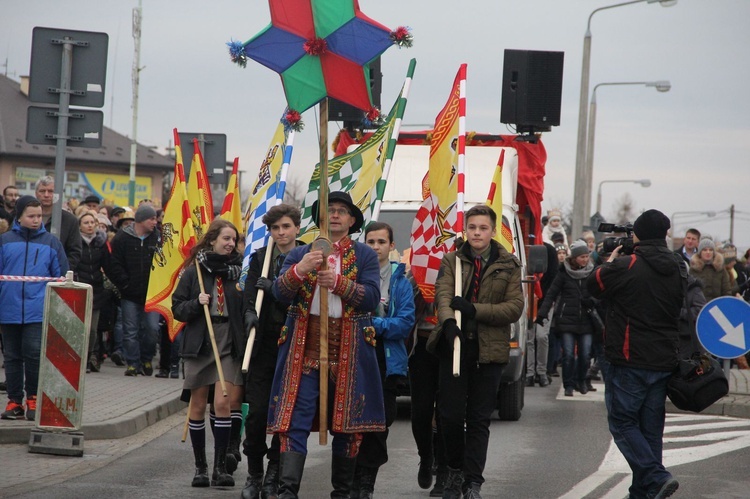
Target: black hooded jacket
[
  {"x": 645, "y": 293},
  {"x": 131, "y": 263}
]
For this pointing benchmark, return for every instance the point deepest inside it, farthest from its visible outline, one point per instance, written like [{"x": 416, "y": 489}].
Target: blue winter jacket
[
  {"x": 25, "y": 252},
  {"x": 394, "y": 329}
]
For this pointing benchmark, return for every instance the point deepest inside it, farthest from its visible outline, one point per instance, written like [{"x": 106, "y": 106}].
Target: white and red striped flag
[{"x": 440, "y": 218}]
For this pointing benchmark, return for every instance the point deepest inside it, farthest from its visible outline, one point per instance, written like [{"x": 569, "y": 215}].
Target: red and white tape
[{"x": 30, "y": 278}]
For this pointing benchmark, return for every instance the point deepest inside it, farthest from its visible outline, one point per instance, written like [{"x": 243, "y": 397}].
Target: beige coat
[
  {"x": 714, "y": 278},
  {"x": 500, "y": 302}
]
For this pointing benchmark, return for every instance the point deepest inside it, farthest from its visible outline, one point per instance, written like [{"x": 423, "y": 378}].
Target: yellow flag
[
  {"x": 199, "y": 194},
  {"x": 231, "y": 210},
  {"x": 176, "y": 240},
  {"x": 495, "y": 201}
]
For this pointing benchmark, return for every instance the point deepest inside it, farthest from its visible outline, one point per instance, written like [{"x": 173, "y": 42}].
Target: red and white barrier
[{"x": 67, "y": 320}]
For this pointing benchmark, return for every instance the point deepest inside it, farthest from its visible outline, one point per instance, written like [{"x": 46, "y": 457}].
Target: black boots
[
  {"x": 291, "y": 466},
  {"x": 442, "y": 475},
  {"x": 220, "y": 477},
  {"x": 453, "y": 484},
  {"x": 252, "y": 486},
  {"x": 233, "y": 455},
  {"x": 364, "y": 482},
  {"x": 201, "y": 468},
  {"x": 342, "y": 476},
  {"x": 424, "y": 475},
  {"x": 270, "y": 488}
]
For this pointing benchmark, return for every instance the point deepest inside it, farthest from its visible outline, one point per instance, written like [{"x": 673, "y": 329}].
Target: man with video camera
[{"x": 644, "y": 290}]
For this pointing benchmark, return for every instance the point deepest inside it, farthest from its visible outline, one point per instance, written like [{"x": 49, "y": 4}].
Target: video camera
[{"x": 611, "y": 243}]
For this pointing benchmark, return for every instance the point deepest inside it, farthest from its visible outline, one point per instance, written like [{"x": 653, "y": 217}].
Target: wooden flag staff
[
  {"x": 323, "y": 242},
  {"x": 211, "y": 333},
  {"x": 258, "y": 306}
]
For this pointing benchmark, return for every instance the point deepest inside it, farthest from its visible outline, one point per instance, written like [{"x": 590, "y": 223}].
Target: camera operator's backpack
[{"x": 697, "y": 382}]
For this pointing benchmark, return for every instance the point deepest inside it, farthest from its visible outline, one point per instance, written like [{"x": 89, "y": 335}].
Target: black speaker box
[
  {"x": 532, "y": 89},
  {"x": 340, "y": 111}
]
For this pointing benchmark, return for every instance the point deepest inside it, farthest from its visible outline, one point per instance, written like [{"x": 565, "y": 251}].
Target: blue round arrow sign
[{"x": 723, "y": 327}]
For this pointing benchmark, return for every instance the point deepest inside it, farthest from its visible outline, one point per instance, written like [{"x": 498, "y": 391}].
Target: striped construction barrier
[{"x": 62, "y": 368}]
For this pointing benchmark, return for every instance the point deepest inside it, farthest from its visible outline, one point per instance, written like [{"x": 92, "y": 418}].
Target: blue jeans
[
  {"x": 575, "y": 372},
  {"x": 140, "y": 333},
  {"x": 635, "y": 401},
  {"x": 23, "y": 345},
  {"x": 117, "y": 333}
]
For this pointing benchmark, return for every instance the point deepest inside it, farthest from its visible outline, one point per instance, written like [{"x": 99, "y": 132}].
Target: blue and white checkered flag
[{"x": 268, "y": 192}]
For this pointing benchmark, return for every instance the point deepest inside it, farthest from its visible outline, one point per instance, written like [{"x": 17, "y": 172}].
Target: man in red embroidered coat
[{"x": 355, "y": 400}]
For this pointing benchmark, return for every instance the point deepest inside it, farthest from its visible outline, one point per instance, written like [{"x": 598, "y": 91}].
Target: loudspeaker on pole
[{"x": 532, "y": 90}]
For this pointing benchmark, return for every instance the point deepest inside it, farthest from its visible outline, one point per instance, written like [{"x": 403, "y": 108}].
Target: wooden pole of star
[{"x": 323, "y": 226}]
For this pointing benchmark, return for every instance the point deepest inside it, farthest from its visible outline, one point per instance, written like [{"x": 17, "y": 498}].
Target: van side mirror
[{"x": 537, "y": 263}]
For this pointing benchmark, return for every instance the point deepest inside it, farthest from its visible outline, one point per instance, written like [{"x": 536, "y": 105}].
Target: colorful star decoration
[{"x": 320, "y": 48}]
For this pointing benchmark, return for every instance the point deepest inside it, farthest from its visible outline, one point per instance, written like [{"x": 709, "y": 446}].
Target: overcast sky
[{"x": 693, "y": 142}]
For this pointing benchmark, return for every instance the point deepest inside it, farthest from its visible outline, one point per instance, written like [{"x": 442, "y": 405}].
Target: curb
[{"x": 119, "y": 427}]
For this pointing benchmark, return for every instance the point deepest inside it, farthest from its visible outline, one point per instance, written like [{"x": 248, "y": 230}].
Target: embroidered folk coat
[{"x": 358, "y": 396}]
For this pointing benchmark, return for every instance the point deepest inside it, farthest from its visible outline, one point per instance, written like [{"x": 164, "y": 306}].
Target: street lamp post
[
  {"x": 709, "y": 214},
  {"x": 661, "y": 86},
  {"x": 580, "y": 189},
  {"x": 644, "y": 183}
]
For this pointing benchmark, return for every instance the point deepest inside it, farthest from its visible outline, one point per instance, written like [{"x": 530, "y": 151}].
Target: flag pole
[
  {"x": 323, "y": 226},
  {"x": 211, "y": 332},
  {"x": 280, "y": 189},
  {"x": 390, "y": 151},
  {"x": 258, "y": 306},
  {"x": 460, "y": 207}
]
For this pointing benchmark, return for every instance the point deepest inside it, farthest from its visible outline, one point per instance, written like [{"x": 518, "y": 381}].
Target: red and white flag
[{"x": 440, "y": 218}]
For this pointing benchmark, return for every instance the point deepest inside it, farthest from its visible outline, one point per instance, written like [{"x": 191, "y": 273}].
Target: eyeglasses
[{"x": 338, "y": 211}]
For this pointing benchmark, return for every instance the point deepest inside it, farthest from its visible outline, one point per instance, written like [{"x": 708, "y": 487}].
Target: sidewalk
[{"x": 114, "y": 405}]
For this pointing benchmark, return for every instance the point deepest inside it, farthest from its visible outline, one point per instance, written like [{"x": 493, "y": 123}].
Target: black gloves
[
  {"x": 265, "y": 284},
  {"x": 451, "y": 331},
  {"x": 251, "y": 321},
  {"x": 541, "y": 320},
  {"x": 587, "y": 302},
  {"x": 464, "y": 306}
]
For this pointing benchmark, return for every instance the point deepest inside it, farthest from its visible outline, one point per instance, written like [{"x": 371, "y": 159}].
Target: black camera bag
[{"x": 697, "y": 382}]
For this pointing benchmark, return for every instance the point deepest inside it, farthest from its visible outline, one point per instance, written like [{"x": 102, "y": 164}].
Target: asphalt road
[{"x": 560, "y": 448}]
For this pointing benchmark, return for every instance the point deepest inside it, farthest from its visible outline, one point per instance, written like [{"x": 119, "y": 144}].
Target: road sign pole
[{"x": 62, "y": 134}]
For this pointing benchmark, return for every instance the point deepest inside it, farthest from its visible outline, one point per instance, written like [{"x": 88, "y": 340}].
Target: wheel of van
[{"x": 510, "y": 400}]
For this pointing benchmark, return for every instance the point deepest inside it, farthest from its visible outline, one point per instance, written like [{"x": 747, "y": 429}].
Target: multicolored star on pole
[{"x": 320, "y": 48}]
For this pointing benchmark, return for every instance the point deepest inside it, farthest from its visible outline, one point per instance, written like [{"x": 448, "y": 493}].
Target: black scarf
[{"x": 224, "y": 266}]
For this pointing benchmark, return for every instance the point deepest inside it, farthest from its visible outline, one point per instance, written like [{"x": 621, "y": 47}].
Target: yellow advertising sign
[{"x": 113, "y": 189}]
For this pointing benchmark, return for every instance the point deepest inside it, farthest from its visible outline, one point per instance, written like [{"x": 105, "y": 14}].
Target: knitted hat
[
  {"x": 561, "y": 247},
  {"x": 729, "y": 251},
  {"x": 103, "y": 219},
  {"x": 579, "y": 248},
  {"x": 144, "y": 212},
  {"x": 706, "y": 242},
  {"x": 554, "y": 215},
  {"x": 23, "y": 202},
  {"x": 652, "y": 224}
]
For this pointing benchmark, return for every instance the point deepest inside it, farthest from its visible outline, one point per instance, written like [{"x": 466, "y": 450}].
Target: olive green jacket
[{"x": 500, "y": 302}]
